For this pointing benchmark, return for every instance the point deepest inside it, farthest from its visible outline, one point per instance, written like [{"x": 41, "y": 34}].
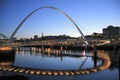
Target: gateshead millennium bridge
[
  {"x": 53, "y": 8},
  {"x": 105, "y": 60}
]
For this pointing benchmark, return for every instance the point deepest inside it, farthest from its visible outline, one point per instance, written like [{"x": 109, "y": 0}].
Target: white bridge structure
[
  {"x": 53, "y": 8},
  {"x": 10, "y": 40}
]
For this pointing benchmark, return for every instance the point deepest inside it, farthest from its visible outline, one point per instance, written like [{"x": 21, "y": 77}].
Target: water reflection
[
  {"x": 36, "y": 51},
  {"x": 33, "y": 58},
  {"x": 114, "y": 57},
  {"x": 6, "y": 58},
  {"x": 57, "y": 59}
]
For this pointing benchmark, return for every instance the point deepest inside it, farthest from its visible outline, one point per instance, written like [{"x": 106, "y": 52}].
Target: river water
[{"x": 55, "y": 59}]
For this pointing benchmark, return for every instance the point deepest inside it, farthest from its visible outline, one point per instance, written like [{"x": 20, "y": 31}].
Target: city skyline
[{"x": 90, "y": 16}]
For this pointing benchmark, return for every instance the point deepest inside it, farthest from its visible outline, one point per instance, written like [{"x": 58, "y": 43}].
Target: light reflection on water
[
  {"x": 111, "y": 73},
  {"x": 54, "y": 59}
]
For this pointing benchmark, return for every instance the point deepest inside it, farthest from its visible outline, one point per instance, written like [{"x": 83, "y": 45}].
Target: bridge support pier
[
  {"x": 43, "y": 49},
  {"x": 95, "y": 56},
  {"x": 61, "y": 48}
]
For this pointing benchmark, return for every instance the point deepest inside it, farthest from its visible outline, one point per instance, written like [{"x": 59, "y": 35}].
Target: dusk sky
[{"x": 90, "y": 15}]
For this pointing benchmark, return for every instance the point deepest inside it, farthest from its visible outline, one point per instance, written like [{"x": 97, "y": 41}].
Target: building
[
  {"x": 94, "y": 36},
  {"x": 42, "y": 35},
  {"x": 35, "y": 37},
  {"x": 112, "y": 33}
]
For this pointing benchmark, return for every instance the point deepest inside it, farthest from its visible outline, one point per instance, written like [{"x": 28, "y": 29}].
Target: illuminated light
[
  {"x": 44, "y": 72},
  {"x": 100, "y": 68},
  {"x": 77, "y": 72},
  {"x": 32, "y": 72},
  {"x": 5, "y": 63},
  {"x": 87, "y": 72},
  {"x": 66, "y": 73},
  {"x": 5, "y": 69},
  {"x": 6, "y": 48},
  {"x": 61, "y": 73},
  {"x": 38, "y": 72},
  {"x": 71, "y": 73},
  {"x": 55, "y": 73},
  {"x": 11, "y": 69},
  {"x": 109, "y": 63},
  {"x": 0, "y": 68},
  {"x": 27, "y": 71},
  {"x": 56, "y": 52},
  {"x": 49, "y": 73},
  {"x": 16, "y": 70},
  {"x": 61, "y": 48},
  {"x": 82, "y": 72},
  {"x": 48, "y": 51},
  {"x": 94, "y": 70},
  {"x": 22, "y": 70}
]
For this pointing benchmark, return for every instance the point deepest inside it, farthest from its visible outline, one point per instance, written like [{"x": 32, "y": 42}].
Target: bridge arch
[
  {"x": 50, "y": 7},
  {"x": 3, "y": 35}
]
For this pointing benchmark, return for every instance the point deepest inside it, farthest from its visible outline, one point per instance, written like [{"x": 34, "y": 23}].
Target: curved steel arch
[
  {"x": 3, "y": 35},
  {"x": 50, "y": 7}
]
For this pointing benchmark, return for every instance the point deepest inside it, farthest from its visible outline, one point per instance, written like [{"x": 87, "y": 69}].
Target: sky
[{"x": 90, "y": 16}]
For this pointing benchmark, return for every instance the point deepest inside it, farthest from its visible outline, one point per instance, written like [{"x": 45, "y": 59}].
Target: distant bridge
[
  {"x": 3, "y": 36},
  {"x": 50, "y": 7}
]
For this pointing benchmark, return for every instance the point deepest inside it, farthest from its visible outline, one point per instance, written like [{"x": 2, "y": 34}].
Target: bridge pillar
[
  {"x": 61, "y": 48},
  {"x": 39, "y": 50},
  {"x": 66, "y": 47},
  {"x": 95, "y": 56},
  {"x": 42, "y": 50}
]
